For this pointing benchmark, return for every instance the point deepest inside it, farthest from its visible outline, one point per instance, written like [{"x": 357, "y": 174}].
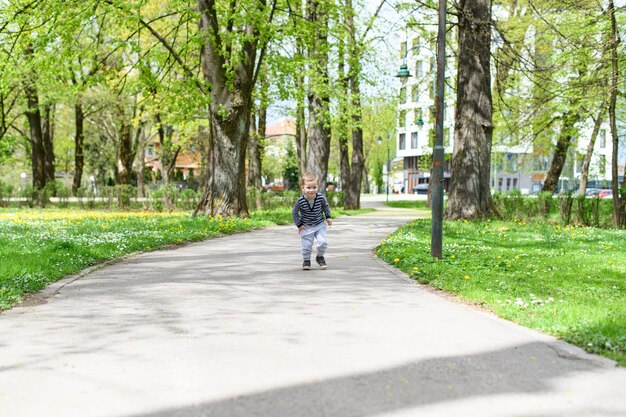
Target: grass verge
[
  {"x": 38, "y": 247},
  {"x": 566, "y": 281}
]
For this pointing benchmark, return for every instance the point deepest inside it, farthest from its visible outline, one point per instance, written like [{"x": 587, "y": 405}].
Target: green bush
[
  {"x": 6, "y": 192},
  {"x": 565, "y": 206},
  {"x": 64, "y": 193},
  {"x": 544, "y": 203},
  {"x": 188, "y": 199}
]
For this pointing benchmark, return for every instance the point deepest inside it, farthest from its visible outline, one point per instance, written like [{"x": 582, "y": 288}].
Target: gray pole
[{"x": 436, "y": 240}]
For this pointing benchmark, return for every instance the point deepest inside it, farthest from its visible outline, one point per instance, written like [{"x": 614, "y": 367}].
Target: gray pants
[{"x": 306, "y": 240}]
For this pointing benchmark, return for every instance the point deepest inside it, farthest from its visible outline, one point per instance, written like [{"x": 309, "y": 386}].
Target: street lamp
[
  {"x": 436, "y": 239},
  {"x": 22, "y": 180},
  {"x": 380, "y": 141},
  {"x": 92, "y": 182}
]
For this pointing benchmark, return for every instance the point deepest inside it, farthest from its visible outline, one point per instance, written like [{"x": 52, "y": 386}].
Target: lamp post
[
  {"x": 92, "y": 182},
  {"x": 22, "y": 180},
  {"x": 380, "y": 141},
  {"x": 436, "y": 238}
]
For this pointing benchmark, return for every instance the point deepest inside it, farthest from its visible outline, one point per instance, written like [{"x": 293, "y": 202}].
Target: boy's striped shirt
[{"x": 310, "y": 214}]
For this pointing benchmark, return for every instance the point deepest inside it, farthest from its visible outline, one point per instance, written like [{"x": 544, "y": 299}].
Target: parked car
[
  {"x": 592, "y": 192},
  {"x": 605, "y": 194},
  {"x": 274, "y": 186}
]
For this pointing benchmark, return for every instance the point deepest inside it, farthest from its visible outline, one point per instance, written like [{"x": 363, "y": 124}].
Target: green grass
[
  {"x": 414, "y": 204},
  {"x": 566, "y": 281},
  {"x": 38, "y": 247}
]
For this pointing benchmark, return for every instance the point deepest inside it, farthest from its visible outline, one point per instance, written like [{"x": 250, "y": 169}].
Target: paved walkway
[{"x": 232, "y": 327}]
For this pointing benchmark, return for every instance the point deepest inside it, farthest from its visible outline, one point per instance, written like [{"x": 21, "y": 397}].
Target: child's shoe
[
  {"x": 306, "y": 265},
  {"x": 321, "y": 262}
]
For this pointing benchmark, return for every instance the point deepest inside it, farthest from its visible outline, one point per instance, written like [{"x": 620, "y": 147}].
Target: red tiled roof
[{"x": 282, "y": 127}]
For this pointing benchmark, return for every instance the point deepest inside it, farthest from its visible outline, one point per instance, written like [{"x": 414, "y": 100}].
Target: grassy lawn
[
  {"x": 38, "y": 247},
  {"x": 566, "y": 281}
]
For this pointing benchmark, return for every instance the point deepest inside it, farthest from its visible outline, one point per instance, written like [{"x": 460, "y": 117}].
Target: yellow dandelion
[
  {"x": 466, "y": 277},
  {"x": 396, "y": 260}
]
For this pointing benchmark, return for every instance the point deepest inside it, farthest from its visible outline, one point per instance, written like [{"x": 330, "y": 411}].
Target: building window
[
  {"x": 415, "y": 93},
  {"x": 419, "y": 69},
  {"x": 413, "y": 140},
  {"x": 403, "y": 49},
  {"x": 508, "y": 184},
  {"x": 402, "y": 118},
  {"x": 414, "y": 45},
  {"x": 419, "y": 118},
  {"x": 602, "y": 165},
  {"x": 602, "y": 134},
  {"x": 515, "y": 183},
  {"x": 402, "y": 141},
  {"x": 402, "y": 95}
]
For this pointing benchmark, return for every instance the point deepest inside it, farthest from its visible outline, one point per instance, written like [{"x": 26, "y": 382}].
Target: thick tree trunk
[
  {"x": 470, "y": 194},
  {"x": 79, "y": 141},
  {"x": 615, "y": 38},
  {"x": 584, "y": 172},
  {"x": 47, "y": 134},
  {"x": 563, "y": 143},
  {"x": 38, "y": 155},
  {"x": 229, "y": 114},
  {"x": 225, "y": 192},
  {"x": 319, "y": 102}
]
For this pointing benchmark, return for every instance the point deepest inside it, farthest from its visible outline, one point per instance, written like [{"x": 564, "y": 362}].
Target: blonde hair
[{"x": 308, "y": 176}]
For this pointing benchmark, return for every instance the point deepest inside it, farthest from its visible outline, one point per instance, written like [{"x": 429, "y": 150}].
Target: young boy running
[{"x": 309, "y": 214}]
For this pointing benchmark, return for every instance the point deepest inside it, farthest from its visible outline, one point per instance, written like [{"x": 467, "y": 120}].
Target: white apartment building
[
  {"x": 513, "y": 166},
  {"x": 416, "y": 110}
]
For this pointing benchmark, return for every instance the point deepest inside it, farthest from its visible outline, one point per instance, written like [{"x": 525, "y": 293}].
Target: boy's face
[{"x": 309, "y": 188}]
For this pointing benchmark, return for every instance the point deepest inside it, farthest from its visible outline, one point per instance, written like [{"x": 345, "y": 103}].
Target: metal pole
[
  {"x": 388, "y": 169},
  {"x": 436, "y": 241}
]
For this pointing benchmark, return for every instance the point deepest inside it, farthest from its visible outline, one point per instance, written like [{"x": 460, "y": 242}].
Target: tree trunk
[
  {"x": 47, "y": 134},
  {"x": 124, "y": 152},
  {"x": 38, "y": 155},
  {"x": 140, "y": 166},
  {"x": 254, "y": 154},
  {"x": 563, "y": 143},
  {"x": 167, "y": 157},
  {"x": 617, "y": 206},
  {"x": 366, "y": 179},
  {"x": 470, "y": 193},
  {"x": 341, "y": 134},
  {"x": 229, "y": 113},
  {"x": 352, "y": 199},
  {"x": 301, "y": 138},
  {"x": 584, "y": 173},
  {"x": 319, "y": 102},
  {"x": 79, "y": 141}
]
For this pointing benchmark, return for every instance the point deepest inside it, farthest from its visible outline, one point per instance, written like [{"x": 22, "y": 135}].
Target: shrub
[
  {"x": 124, "y": 193},
  {"x": 565, "y": 206},
  {"x": 63, "y": 193},
  {"x": 188, "y": 199},
  {"x": 544, "y": 203},
  {"x": 6, "y": 191}
]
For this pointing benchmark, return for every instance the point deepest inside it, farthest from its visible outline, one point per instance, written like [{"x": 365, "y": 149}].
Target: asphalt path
[{"x": 232, "y": 327}]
